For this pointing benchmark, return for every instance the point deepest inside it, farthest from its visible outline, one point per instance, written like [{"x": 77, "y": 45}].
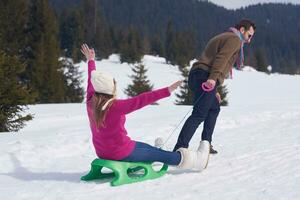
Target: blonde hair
[{"x": 101, "y": 104}]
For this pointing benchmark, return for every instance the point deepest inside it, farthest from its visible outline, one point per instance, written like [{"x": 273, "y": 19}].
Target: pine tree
[
  {"x": 157, "y": 46},
  {"x": 170, "y": 43},
  {"x": 13, "y": 17},
  {"x": 72, "y": 78},
  {"x": 116, "y": 37},
  {"x": 43, "y": 71},
  {"x": 261, "y": 60},
  {"x": 140, "y": 82},
  {"x": 103, "y": 41},
  {"x": 180, "y": 46},
  {"x": 185, "y": 48},
  {"x": 288, "y": 67},
  {"x": 222, "y": 90},
  {"x": 71, "y": 33},
  {"x": 152, "y": 19},
  {"x": 146, "y": 49},
  {"x": 96, "y": 30},
  {"x": 131, "y": 49},
  {"x": 89, "y": 15},
  {"x": 14, "y": 96},
  {"x": 250, "y": 60},
  {"x": 185, "y": 97}
]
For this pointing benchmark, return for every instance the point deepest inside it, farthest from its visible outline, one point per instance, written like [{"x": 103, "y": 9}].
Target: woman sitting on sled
[{"x": 107, "y": 118}]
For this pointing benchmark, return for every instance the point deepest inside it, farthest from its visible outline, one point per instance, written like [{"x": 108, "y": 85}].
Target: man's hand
[
  {"x": 89, "y": 53},
  {"x": 174, "y": 86},
  {"x": 210, "y": 84},
  {"x": 219, "y": 97}
]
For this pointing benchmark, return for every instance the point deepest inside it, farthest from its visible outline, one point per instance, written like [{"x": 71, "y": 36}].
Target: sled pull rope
[{"x": 204, "y": 88}]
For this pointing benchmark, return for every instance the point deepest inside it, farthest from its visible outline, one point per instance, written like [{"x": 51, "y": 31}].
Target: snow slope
[
  {"x": 236, "y": 4},
  {"x": 257, "y": 137}
]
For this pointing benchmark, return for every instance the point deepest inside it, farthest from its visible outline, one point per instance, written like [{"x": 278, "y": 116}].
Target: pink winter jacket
[{"x": 111, "y": 142}]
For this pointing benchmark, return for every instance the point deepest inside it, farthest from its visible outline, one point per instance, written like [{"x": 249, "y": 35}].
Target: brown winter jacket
[{"x": 219, "y": 56}]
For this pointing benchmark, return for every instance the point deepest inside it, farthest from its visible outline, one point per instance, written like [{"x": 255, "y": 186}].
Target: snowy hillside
[
  {"x": 257, "y": 136},
  {"x": 236, "y": 4}
]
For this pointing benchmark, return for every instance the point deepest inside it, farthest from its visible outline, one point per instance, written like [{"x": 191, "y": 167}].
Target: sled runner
[{"x": 124, "y": 172}]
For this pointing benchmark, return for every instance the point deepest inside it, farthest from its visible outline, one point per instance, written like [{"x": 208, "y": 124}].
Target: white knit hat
[{"x": 102, "y": 82}]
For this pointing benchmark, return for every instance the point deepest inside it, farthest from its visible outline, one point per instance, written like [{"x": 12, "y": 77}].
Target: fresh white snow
[
  {"x": 236, "y": 4},
  {"x": 257, "y": 137}
]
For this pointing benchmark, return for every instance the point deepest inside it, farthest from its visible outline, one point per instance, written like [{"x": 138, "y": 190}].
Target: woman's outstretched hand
[
  {"x": 89, "y": 53},
  {"x": 174, "y": 86}
]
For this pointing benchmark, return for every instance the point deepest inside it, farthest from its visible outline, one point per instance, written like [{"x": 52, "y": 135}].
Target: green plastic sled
[{"x": 124, "y": 172}]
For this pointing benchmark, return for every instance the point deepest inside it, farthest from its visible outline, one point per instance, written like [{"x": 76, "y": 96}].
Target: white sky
[{"x": 234, "y": 4}]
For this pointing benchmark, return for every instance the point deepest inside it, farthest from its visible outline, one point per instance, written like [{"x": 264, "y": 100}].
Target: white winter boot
[
  {"x": 197, "y": 160},
  {"x": 204, "y": 148}
]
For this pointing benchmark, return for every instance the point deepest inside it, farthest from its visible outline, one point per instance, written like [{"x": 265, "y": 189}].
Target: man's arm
[{"x": 230, "y": 47}]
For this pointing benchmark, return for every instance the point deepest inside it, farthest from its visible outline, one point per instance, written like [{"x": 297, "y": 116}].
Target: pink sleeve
[
  {"x": 90, "y": 89},
  {"x": 129, "y": 105}
]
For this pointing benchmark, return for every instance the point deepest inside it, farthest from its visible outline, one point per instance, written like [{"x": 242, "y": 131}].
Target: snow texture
[{"x": 257, "y": 137}]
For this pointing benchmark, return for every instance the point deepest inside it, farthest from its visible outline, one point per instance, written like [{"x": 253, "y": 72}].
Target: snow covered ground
[
  {"x": 257, "y": 137},
  {"x": 236, "y": 4}
]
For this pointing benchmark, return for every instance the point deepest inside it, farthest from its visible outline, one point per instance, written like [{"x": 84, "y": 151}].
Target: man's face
[{"x": 248, "y": 34}]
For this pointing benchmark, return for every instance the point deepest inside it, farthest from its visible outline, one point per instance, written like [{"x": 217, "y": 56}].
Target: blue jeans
[
  {"x": 146, "y": 153},
  {"x": 206, "y": 108}
]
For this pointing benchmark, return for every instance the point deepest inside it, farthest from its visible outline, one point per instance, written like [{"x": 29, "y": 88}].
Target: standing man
[{"x": 215, "y": 63}]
